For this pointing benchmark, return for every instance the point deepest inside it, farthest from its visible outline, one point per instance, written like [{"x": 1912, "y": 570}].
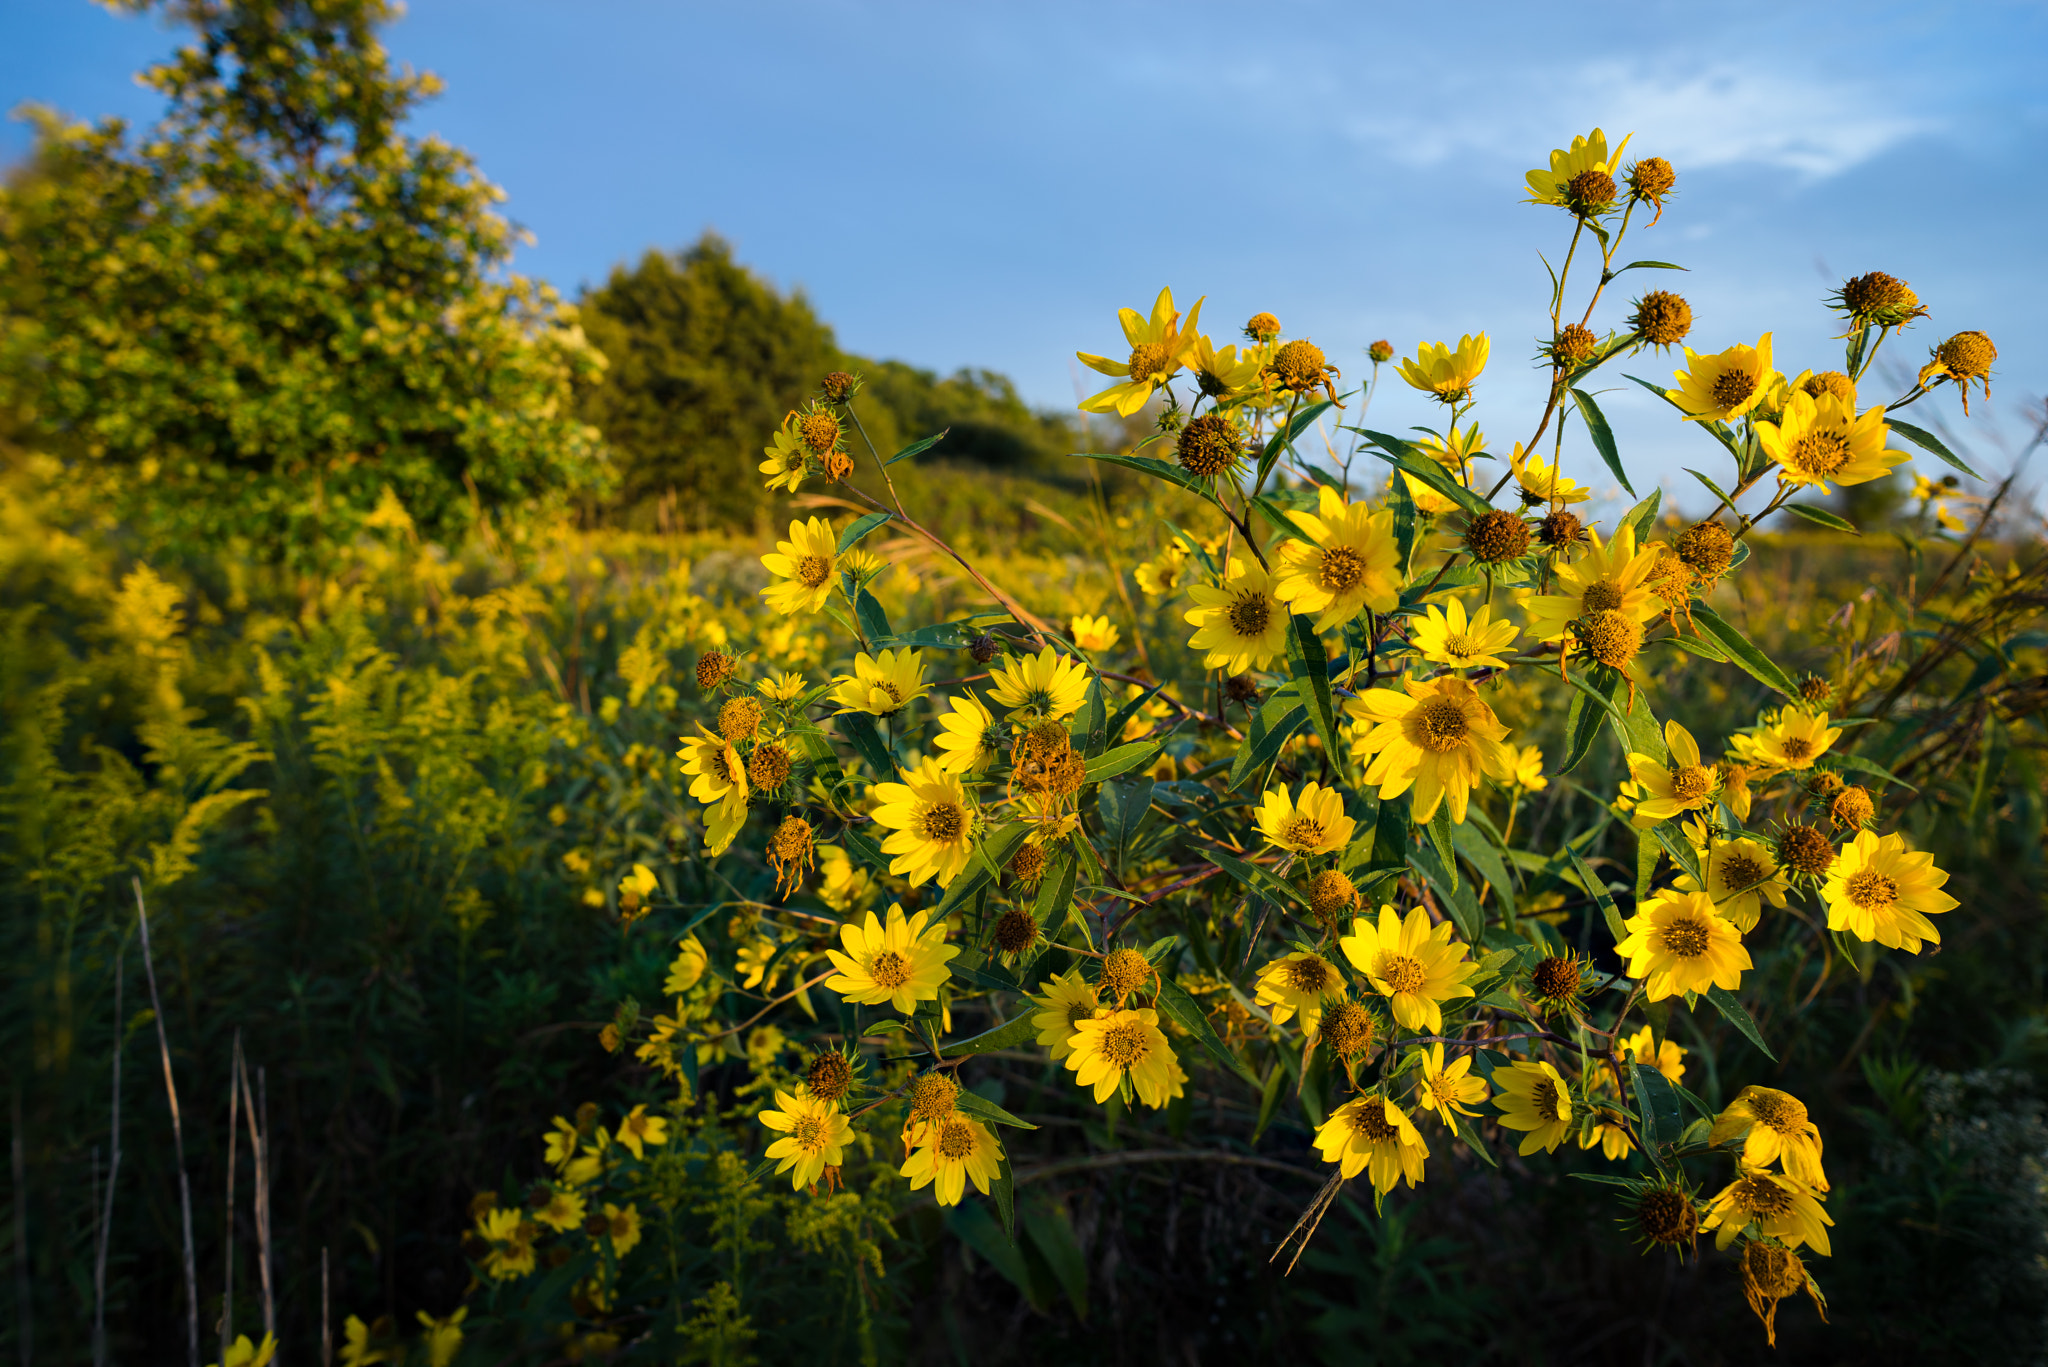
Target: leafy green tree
[{"x": 248, "y": 323}]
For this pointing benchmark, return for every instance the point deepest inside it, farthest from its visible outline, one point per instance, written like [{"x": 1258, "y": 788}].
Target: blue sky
[{"x": 985, "y": 183}]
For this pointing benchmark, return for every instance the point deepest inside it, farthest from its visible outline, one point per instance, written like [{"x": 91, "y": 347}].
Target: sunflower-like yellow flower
[
  {"x": 243, "y": 1353},
  {"x": 1448, "y": 374},
  {"x": 1348, "y": 563},
  {"x": 1106, "y": 1049},
  {"x": 803, "y": 567},
  {"x": 1313, "y": 823},
  {"x": 720, "y": 783},
  {"x": 624, "y": 1227},
  {"x": 1532, "y": 1096},
  {"x": 1665, "y": 1056},
  {"x": 814, "y": 1136},
  {"x": 881, "y": 684},
  {"x": 1299, "y": 982},
  {"x": 510, "y": 1235},
  {"x": 1447, "y": 1090},
  {"x": 1446, "y": 636},
  {"x": 1820, "y": 439},
  {"x": 1242, "y": 626},
  {"x": 1793, "y": 741},
  {"x": 1048, "y": 684},
  {"x": 1683, "y": 785},
  {"x": 1782, "y": 1208},
  {"x": 1160, "y": 345},
  {"x": 1223, "y": 374},
  {"x": 1777, "y": 1127},
  {"x": 1552, "y": 185},
  {"x": 901, "y": 962},
  {"x": 1417, "y": 968},
  {"x": 1373, "y": 1135},
  {"x": 1677, "y": 944},
  {"x": 785, "y": 466},
  {"x": 1525, "y": 768},
  {"x": 638, "y": 1128},
  {"x": 1879, "y": 890},
  {"x": 930, "y": 820},
  {"x": 949, "y": 1153},
  {"x": 1725, "y": 385},
  {"x": 969, "y": 736},
  {"x": 1545, "y": 483},
  {"x": 784, "y": 686},
  {"x": 1438, "y": 737},
  {"x": 563, "y": 1211},
  {"x": 1610, "y": 576},
  {"x": 1066, "y": 1001},
  {"x": 1741, "y": 873},
  {"x": 1094, "y": 633}
]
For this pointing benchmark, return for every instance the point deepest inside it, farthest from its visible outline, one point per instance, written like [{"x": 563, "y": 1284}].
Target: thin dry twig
[
  {"x": 103, "y": 1235},
  {"x": 163, "y": 1042}
]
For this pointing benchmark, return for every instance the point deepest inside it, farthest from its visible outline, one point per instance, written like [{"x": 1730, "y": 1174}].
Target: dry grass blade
[
  {"x": 163, "y": 1041},
  {"x": 1311, "y": 1216}
]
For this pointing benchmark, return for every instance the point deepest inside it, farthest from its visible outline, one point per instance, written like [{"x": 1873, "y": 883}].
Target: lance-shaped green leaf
[
  {"x": 859, "y": 528},
  {"x": 1271, "y": 727},
  {"x": 864, "y": 847},
  {"x": 1821, "y": 517},
  {"x": 1732, "y": 1009},
  {"x": 1123, "y": 804},
  {"x": 1121, "y": 760},
  {"x": 1406, "y": 456},
  {"x": 1601, "y": 433},
  {"x": 1186, "y": 1012},
  {"x": 1287, "y": 434},
  {"x": 1742, "y": 650},
  {"x": 1311, "y": 668},
  {"x": 942, "y": 636},
  {"x": 1256, "y": 878},
  {"x": 1457, "y": 901},
  {"x": 1158, "y": 469},
  {"x": 1657, "y": 1107},
  {"x": 1056, "y": 893},
  {"x": 991, "y": 854},
  {"x": 1873, "y": 768},
  {"x": 1643, "y": 517},
  {"x": 1680, "y": 849},
  {"x": 1011, "y": 1033},
  {"x": 1052, "y": 1233},
  {"x": 981, "y": 1108},
  {"x": 874, "y": 619},
  {"x": 859, "y": 730},
  {"x": 917, "y": 448},
  {"x": 1927, "y": 441},
  {"x": 1597, "y": 890}
]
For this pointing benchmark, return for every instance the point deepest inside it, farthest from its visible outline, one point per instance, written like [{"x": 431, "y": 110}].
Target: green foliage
[{"x": 248, "y": 322}]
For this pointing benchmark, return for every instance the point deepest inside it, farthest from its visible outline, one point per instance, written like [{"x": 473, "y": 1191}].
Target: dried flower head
[
  {"x": 1381, "y": 352},
  {"x": 790, "y": 851},
  {"x": 1853, "y": 806},
  {"x": 839, "y": 386},
  {"x": 1262, "y": 327},
  {"x": 1497, "y": 536},
  {"x": 1299, "y": 368},
  {"x": 1124, "y": 971},
  {"x": 1590, "y": 193},
  {"x": 739, "y": 718},
  {"x": 1027, "y": 865},
  {"x": 830, "y": 1076},
  {"x": 1880, "y": 299},
  {"x": 1331, "y": 893},
  {"x": 1662, "y": 319},
  {"x": 1561, "y": 528},
  {"x": 1612, "y": 637},
  {"x": 714, "y": 667},
  {"x": 1707, "y": 549},
  {"x": 1805, "y": 850},
  {"x": 1574, "y": 346},
  {"x": 768, "y": 767},
  {"x": 1209, "y": 446}
]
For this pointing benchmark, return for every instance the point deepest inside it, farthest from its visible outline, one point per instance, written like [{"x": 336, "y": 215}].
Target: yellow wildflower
[
  {"x": 1106, "y": 1049},
  {"x": 1416, "y": 968},
  {"x": 1532, "y": 1096},
  {"x": 930, "y": 822},
  {"x": 804, "y": 567},
  {"x": 814, "y": 1137},
  {"x": 1243, "y": 625},
  {"x": 956, "y": 1148},
  {"x": 1160, "y": 345},
  {"x": 1348, "y": 563},
  {"x": 1314, "y": 823},
  {"x": 1782, "y": 1208},
  {"x": 1879, "y": 890},
  {"x": 1048, "y": 684},
  {"x": 1820, "y": 439},
  {"x": 1438, "y": 737},
  {"x": 1299, "y": 982},
  {"x": 900, "y": 962},
  {"x": 1773, "y": 1126},
  {"x": 1448, "y": 374},
  {"x": 1094, "y": 633},
  {"x": 1448, "y": 1090},
  {"x": 1446, "y": 636},
  {"x": 1676, "y": 944},
  {"x": 1066, "y": 1000},
  {"x": 1373, "y": 1135},
  {"x": 1725, "y": 385},
  {"x": 881, "y": 684}
]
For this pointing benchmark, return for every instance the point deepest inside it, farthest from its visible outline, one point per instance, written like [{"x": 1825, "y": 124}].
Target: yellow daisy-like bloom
[
  {"x": 1448, "y": 374},
  {"x": 1446, "y": 636},
  {"x": 1300, "y": 982},
  {"x": 1094, "y": 633},
  {"x": 1048, "y": 684},
  {"x": 1684, "y": 785},
  {"x": 1313, "y": 823},
  {"x": 1794, "y": 740},
  {"x": 969, "y": 736},
  {"x": 814, "y": 1137},
  {"x": 931, "y": 821},
  {"x": 719, "y": 781},
  {"x": 1820, "y": 439},
  {"x": 623, "y": 1226},
  {"x": 1551, "y": 186},
  {"x": 1525, "y": 768},
  {"x": 804, "y": 565},
  {"x": 949, "y": 1153},
  {"x": 751, "y": 964},
  {"x": 1532, "y": 1096},
  {"x": 564, "y": 1210},
  {"x": 1447, "y": 1090},
  {"x": 242, "y": 1353},
  {"x": 639, "y": 1128},
  {"x": 1066, "y": 1001},
  {"x": 1438, "y": 738},
  {"x": 1373, "y": 1135},
  {"x": 1777, "y": 1127},
  {"x": 1106, "y": 1049},
  {"x": 1415, "y": 967},
  {"x": 1243, "y": 626},
  {"x": 1611, "y": 576},
  {"x": 881, "y": 684},
  {"x": 1879, "y": 890},
  {"x": 511, "y": 1237},
  {"x": 1223, "y": 374},
  {"x": 1667, "y": 1057},
  {"x": 1612, "y": 1139},
  {"x": 1725, "y": 385},
  {"x": 1782, "y": 1208},
  {"x": 1741, "y": 873},
  {"x": 785, "y": 686},
  {"x": 1677, "y": 944},
  {"x": 1347, "y": 565},
  {"x": 785, "y": 466},
  {"x": 1545, "y": 483},
  {"x": 900, "y": 962},
  {"x": 1160, "y": 345}
]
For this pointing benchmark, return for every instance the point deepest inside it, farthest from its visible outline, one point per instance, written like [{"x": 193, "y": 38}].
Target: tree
[{"x": 246, "y": 325}]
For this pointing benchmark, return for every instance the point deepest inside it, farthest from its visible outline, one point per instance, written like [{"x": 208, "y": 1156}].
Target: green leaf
[
  {"x": 996, "y": 1243},
  {"x": 859, "y": 528},
  {"x": 1603, "y": 435},
  {"x": 863, "y": 845},
  {"x": 1582, "y": 723},
  {"x": 1873, "y": 768},
  {"x": 915, "y": 448},
  {"x": 1726, "y": 1003},
  {"x": 1743, "y": 651},
  {"x": 1158, "y": 469},
  {"x": 1311, "y": 667},
  {"x": 1090, "y": 728},
  {"x": 859, "y": 730},
  {"x": 874, "y": 621},
  {"x": 1657, "y": 1105},
  {"x": 1680, "y": 849},
  {"x": 1406, "y": 456},
  {"x": 1185, "y": 1011},
  {"x": 1458, "y": 903},
  {"x": 1123, "y": 804},
  {"x": 1121, "y": 760},
  {"x": 1643, "y": 516},
  {"x": 1056, "y": 894},
  {"x": 1052, "y": 1233},
  {"x": 943, "y": 636},
  {"x": 1286, "y": 435},
  {"x": 1446, "y": 846},
  {"x": 1261, "y": 881},
  {"x": 1483, "y": 857},
  {"x": 981, "y": 1108},
  {"x": 1714, "y": 488},
  {"x": 1017, "y": 1030},
  {"x": 1647, "y": 265},
  {"x": 991, "y": 854},
  {"x": 1470, "y": 1134},
  {"x": 1927, "y": 441},
  {"x": 1597, "y": 890},
  {"x": 1821, "y": 517},
  {"x": 1272, "y": 725}
]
